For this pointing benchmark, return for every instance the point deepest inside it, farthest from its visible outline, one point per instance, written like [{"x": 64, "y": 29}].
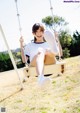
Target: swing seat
[{"x": 58, "y": 68}]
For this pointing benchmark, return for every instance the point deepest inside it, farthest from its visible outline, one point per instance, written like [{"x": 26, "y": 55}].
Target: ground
[{"x": 61, "y": 95}]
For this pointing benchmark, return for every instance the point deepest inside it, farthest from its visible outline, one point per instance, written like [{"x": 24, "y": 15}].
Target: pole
[{"x": 11, "y": 56}]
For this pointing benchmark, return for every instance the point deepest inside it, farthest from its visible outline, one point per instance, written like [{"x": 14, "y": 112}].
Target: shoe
[
  {"x": 40, "y": 79},
  {"x": 43, "y": 80},
  {"x": 46, "y": 81}
]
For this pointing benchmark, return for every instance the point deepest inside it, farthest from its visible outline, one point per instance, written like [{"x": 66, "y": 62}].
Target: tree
[
  {"x": 66, "y": 52},
  {"x": 75, "y": 45},
  {"x": 54, "y": 23},
  {"x": 5, "y": 62},
  {"x": 64, "y": 37}
]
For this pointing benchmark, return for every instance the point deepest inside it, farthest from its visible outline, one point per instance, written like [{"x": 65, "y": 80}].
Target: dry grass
[{"x": 62, "y": 95}]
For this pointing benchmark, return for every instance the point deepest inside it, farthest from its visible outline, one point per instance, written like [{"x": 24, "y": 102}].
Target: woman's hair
[{"x": 37, "y": 26}]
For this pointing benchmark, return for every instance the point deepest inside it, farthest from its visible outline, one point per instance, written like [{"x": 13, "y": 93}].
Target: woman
[{"x": 38, "y": 51}]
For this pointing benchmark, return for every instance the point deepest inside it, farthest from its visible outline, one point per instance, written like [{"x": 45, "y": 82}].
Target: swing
[{"x": 57, "y": 68}]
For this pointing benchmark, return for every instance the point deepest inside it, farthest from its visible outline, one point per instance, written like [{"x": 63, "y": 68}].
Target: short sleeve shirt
[{"x": 31, "y": 49}]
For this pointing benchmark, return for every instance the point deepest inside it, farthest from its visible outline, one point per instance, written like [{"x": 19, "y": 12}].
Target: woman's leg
[
  {"x": 42, "y": 58},
  {"x": 38, "y": 61},
  {"x": 49, "y": 58}
]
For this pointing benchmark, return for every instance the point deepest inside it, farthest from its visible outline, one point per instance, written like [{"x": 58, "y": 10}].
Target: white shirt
[{"x": 31, "y": 49}]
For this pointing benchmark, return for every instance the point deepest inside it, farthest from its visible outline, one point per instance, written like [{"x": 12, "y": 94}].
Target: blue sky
[{"x": 32, "y": 11}]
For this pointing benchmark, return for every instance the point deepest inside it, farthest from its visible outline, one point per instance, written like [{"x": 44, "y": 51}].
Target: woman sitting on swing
[{"x": 38, "y": 51}]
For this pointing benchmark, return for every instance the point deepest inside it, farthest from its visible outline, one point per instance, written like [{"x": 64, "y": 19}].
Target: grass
[{"x": 61, "y": 96}]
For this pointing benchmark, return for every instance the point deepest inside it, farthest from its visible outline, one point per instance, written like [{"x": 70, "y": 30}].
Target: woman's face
[{"x": 39, "y": 35}]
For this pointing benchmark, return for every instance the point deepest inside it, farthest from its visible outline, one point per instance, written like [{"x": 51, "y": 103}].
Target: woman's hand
[{"x": 21, "y": 41}]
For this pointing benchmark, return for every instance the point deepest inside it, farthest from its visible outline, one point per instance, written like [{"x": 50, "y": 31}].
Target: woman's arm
[{"x": 24, "y": 58}]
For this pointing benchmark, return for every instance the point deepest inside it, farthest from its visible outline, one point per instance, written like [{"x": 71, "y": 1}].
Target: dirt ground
[{"x": 61, "y": 95}]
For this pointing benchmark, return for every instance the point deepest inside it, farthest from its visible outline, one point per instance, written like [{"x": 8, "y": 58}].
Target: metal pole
[{"x": 11, "y": 56}]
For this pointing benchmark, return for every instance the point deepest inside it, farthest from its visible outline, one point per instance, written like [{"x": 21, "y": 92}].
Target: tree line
[{"x": 5, "y": 61}]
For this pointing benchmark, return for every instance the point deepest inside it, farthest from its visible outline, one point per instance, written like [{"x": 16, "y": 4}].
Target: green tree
[
  {"x": 66, "y": 52},
  {"x": 75, "y": 45},
  {"x": 54, "y": 23},
  {"x": 5, "y": 62},
  {"x": 64, "y": 37}
]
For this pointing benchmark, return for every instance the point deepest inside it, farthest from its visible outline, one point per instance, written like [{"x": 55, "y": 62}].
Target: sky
[{"x": 32, "y": 11}]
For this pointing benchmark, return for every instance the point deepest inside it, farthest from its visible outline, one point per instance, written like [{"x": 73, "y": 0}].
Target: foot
[
  {"x": 40, "y": 78},
  {"x": 46, "y": 81},
  {"x": 43, "y": 80}
]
